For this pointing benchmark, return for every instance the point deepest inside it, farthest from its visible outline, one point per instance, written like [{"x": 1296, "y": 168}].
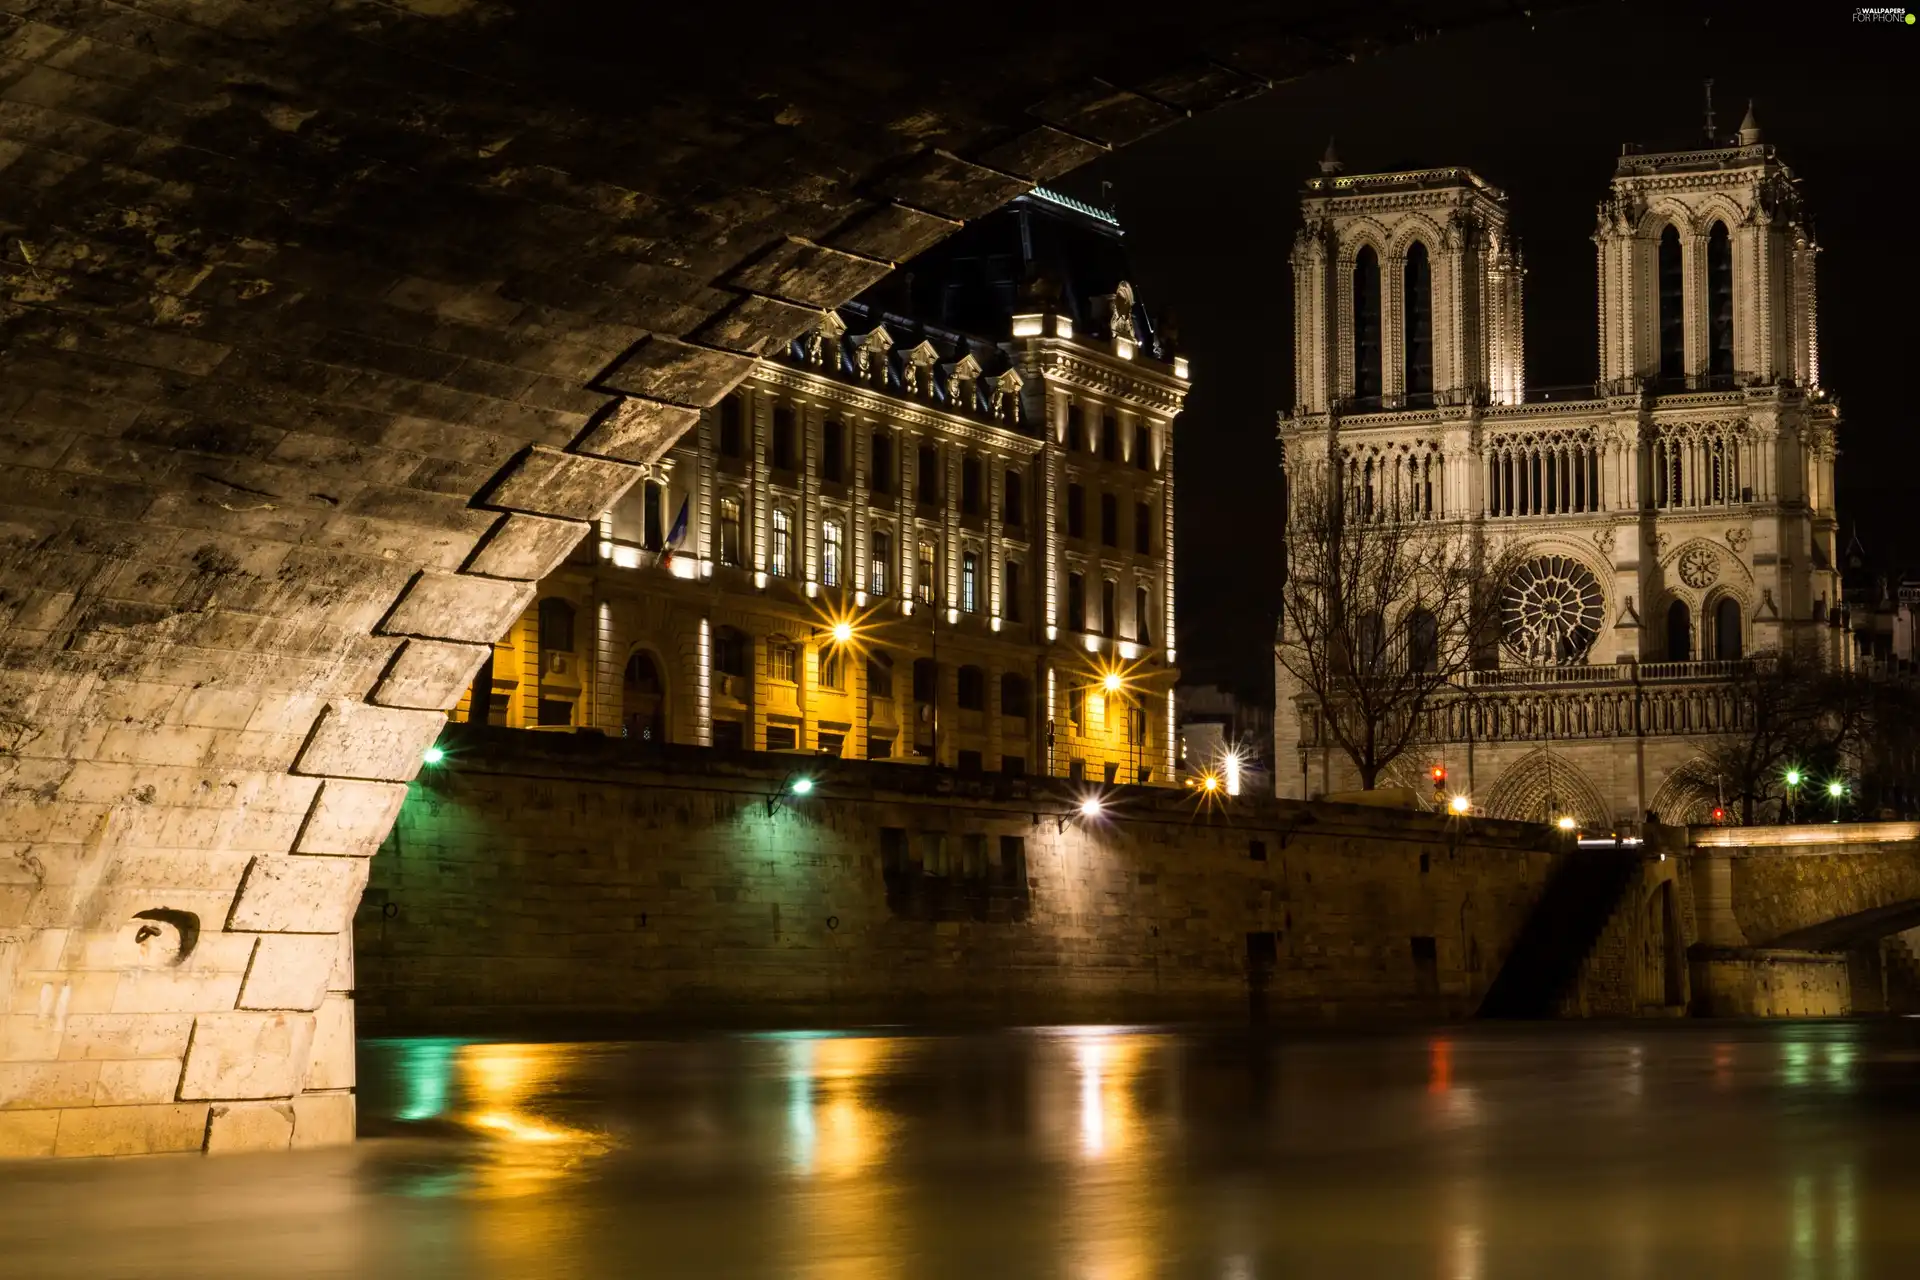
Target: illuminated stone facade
[
  {"x": 1673, "y": 518},
  {"x": 990, "y": 520}
]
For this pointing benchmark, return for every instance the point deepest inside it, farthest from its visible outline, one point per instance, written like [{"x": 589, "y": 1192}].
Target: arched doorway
[
  {"x": 643, "y": 699},
  {"x": 1726, "y": 629},
  {"x": 1679, "y": 632}
]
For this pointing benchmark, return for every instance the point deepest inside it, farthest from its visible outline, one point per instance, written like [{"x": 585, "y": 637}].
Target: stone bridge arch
[{"x": 326, "y": 329}]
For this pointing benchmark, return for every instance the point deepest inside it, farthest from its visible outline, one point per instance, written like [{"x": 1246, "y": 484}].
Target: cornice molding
[{"x": 894, "y": 408}]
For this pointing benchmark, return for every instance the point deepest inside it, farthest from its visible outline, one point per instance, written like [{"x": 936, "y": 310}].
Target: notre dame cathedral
[{"x": 1670, "y": 522}]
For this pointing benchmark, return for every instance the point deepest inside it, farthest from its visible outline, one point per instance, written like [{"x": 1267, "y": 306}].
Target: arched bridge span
[{"x": 325, "y": 328}]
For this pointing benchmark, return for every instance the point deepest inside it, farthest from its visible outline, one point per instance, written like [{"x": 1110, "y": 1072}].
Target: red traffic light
[
  {"x": 1439, "y": 773},
  {"x": 1719, "y": 814}
]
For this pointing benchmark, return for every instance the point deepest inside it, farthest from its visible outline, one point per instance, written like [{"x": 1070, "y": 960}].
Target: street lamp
[
  {"x": 433, "y": 755},
  {"x": 1460, "y": 804},
  {"x": 1793, "y": 780},
  {"x": 1566, "y": 822},
  {"x": 1836, "y": 795}
]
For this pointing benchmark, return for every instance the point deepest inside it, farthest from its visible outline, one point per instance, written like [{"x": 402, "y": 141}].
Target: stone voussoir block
[
  {"x": 636, "y": 429},
  {"x": 323, "y": 1119},
  {"x": 527, "y": 547},
  {"x": 382, "y": 744},
  {"x": 545, "y": 481},
  {"x": 247, "y": 1055},
  {"x": 1106, "y": 113},
  {"x": 350, "y": 818},
  {"x": 298, "y": 894},
  {"x": 458, "y": 606},
  {"x": 810, "y": 274},
  {"x": 332, "y": 1061},
  {"x": 663, "y": 368},
  {"x": 941, "y": 182},
  {"x": 895, "y": 232},
  {"x": 289, "y": 971},
  {"x": 428, "y": 675}
]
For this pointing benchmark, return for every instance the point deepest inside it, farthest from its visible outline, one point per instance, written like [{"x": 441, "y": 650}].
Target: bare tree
[
  {"x": 1383, "y": 609},
  {"x": 1800, "y": 714}
]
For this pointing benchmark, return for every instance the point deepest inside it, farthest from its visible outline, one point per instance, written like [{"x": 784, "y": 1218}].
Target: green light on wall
[
  {"x": 801, "y": 786},
  {"x": 434, "y": 755}
]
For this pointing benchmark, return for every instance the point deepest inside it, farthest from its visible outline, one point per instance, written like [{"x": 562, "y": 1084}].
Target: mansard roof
[{"x": 1397, "y": 181}]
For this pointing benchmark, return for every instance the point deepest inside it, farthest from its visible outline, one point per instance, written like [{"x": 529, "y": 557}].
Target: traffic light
[
  {"x": 1719, "y": 815},
  {"x": 1439, "y": 775}
]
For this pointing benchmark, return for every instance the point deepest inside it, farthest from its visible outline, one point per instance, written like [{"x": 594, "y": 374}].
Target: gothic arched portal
[{"x": 1544, "y": 786}]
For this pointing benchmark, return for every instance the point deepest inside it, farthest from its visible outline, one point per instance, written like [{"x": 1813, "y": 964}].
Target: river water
[{"x": 1661, "y": 1150}]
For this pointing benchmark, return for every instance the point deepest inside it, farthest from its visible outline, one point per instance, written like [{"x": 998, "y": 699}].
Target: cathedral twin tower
[{"x": 1675, "y": 518}]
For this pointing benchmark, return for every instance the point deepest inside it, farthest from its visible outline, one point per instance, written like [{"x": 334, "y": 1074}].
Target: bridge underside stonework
[{"x": 325, "y": 329}]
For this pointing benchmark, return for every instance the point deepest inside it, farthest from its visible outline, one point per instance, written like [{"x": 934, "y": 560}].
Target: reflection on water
[{"x": 1094, "y": 1153}]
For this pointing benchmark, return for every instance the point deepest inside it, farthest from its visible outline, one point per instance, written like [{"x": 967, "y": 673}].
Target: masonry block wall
[
  {"x": 553, "y": 880},
  {"x": 1781, "y": 890},
  {"x": 324, "y": 328}
]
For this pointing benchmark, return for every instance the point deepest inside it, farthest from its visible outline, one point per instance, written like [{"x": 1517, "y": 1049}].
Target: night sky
[{"x": 1211, "y": 207}]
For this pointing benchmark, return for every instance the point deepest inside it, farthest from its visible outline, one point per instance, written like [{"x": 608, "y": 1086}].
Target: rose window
[{"x": 1550, "y": 611}]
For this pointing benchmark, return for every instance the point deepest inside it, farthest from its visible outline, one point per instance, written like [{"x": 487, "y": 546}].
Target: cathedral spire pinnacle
[
  {"x": 1749, "y": 127},
  {"x": 1330, "y": 162}
]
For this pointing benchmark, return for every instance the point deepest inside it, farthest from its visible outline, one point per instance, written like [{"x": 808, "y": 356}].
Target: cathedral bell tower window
[
  {"x": 1673, "y": 328},
  {"x": 1366, "y": 329},
  {"x": 1719, "y": 302},
  {"x": 1418, "y": 282}
]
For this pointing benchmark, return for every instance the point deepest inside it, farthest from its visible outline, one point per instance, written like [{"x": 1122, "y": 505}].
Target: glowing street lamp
[
  {"x": 433, "y": 755},
  {"x": 802, "y": 786},
  {"x": 1210, "y": 782},
  {"x": 1091, "y": 807},
  {"x": 1112, "y": 682},
  {"x": 842, "y": 632},
  {"x": 1460, "y": 804},
  {"x": 1836, "y": 788},
  {"x": 1566, "y": 822}
]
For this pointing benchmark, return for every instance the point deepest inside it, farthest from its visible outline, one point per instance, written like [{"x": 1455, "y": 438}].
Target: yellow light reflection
[
  {"x": 500, "y": 1083},
  {"x": 1114, "y": 1215},
  {"x": 845, "y": 1210}
]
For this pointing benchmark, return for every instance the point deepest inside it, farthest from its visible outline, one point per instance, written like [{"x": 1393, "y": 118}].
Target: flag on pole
[{"x": 676, "y": 533}]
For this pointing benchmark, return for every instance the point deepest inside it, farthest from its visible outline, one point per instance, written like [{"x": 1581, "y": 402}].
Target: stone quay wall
[{"x": 547, "y": 880}]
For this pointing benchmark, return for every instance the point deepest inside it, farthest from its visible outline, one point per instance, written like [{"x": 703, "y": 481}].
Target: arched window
[
  {"x": 1679, "y": 632},
  {"x": 1366, "y": 326},
  {"x": 1372, "y": 649},
  {"x": 1673, "y": 326},
  {"x": 1719, "y": 302},
  {"x": 1423, "y": 641},
  {"x": 556, "y": 624},
  {"x": 1726, "y": 629},
  {"x": 1417, "y": 279},
  {"x": 643, "y": 700}
]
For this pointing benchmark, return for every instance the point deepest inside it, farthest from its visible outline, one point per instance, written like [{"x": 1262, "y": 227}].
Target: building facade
[
  {"x": 1673, "y": 518},
  {"x": 898, "y": 538}
]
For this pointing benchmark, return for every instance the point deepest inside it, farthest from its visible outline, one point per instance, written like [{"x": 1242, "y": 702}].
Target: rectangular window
[
  {"x": 926, "y": 679},
  {"x": 1257, "y": 850},
  {"x": 1143, "y": 447},
  {"x": 832, "y": 552},
  {"x": 780, "y": 661},
  {"x": 1106, "y": 607},
  {"x": 730, "y": 531},
  {"x": 929, "y": 572},
  {"x": 1077, "y": 709},
  {"x": 971, "y": 688},
  {"x": 780, "y": 552},
  {"x": 1010, "y": 591},
  {"x": 1076, "y": 511},
  {"x": 1013, "y": 501},
  {"x": 782, "y": 737},
  {"x": 1013, "y": 696},
  {"x": 554, "y": 711},
  {"x": 1142, "y": 616},
  {"x": 1142, "y": 528},
  {"x": 883, "y": 464},
  {"x": 1109, "y": 520},
  {"x": 1076, "y": 771},
  {"x": 972, "y": 476},
  {"x": 927, "y": 476},
  {"x": 833, "y": 451},
  {"x": 1013, "y": 767},
  {"x": 1076, "y": 602},
  {"x": 972, "y": 762},
  {"x": 1110, "y": 438},
  {"x": 1112, "y": 772},
  {"x": 879, "y": 677},
  {"x": 832, "y": 744},
  {"x": 879, "y": 748},
  {"x": 1013, "y": 849},
  {"x": 833, "y": 667},
  {"x": 880, "y": 564},
  {"x": 1076, "y": 429},
  {"x": 970, "y": 581},
  {"x": 653, "y": 500},
  {"x": 732, "y": 427},
  {"x": 786, "y": 440}
]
